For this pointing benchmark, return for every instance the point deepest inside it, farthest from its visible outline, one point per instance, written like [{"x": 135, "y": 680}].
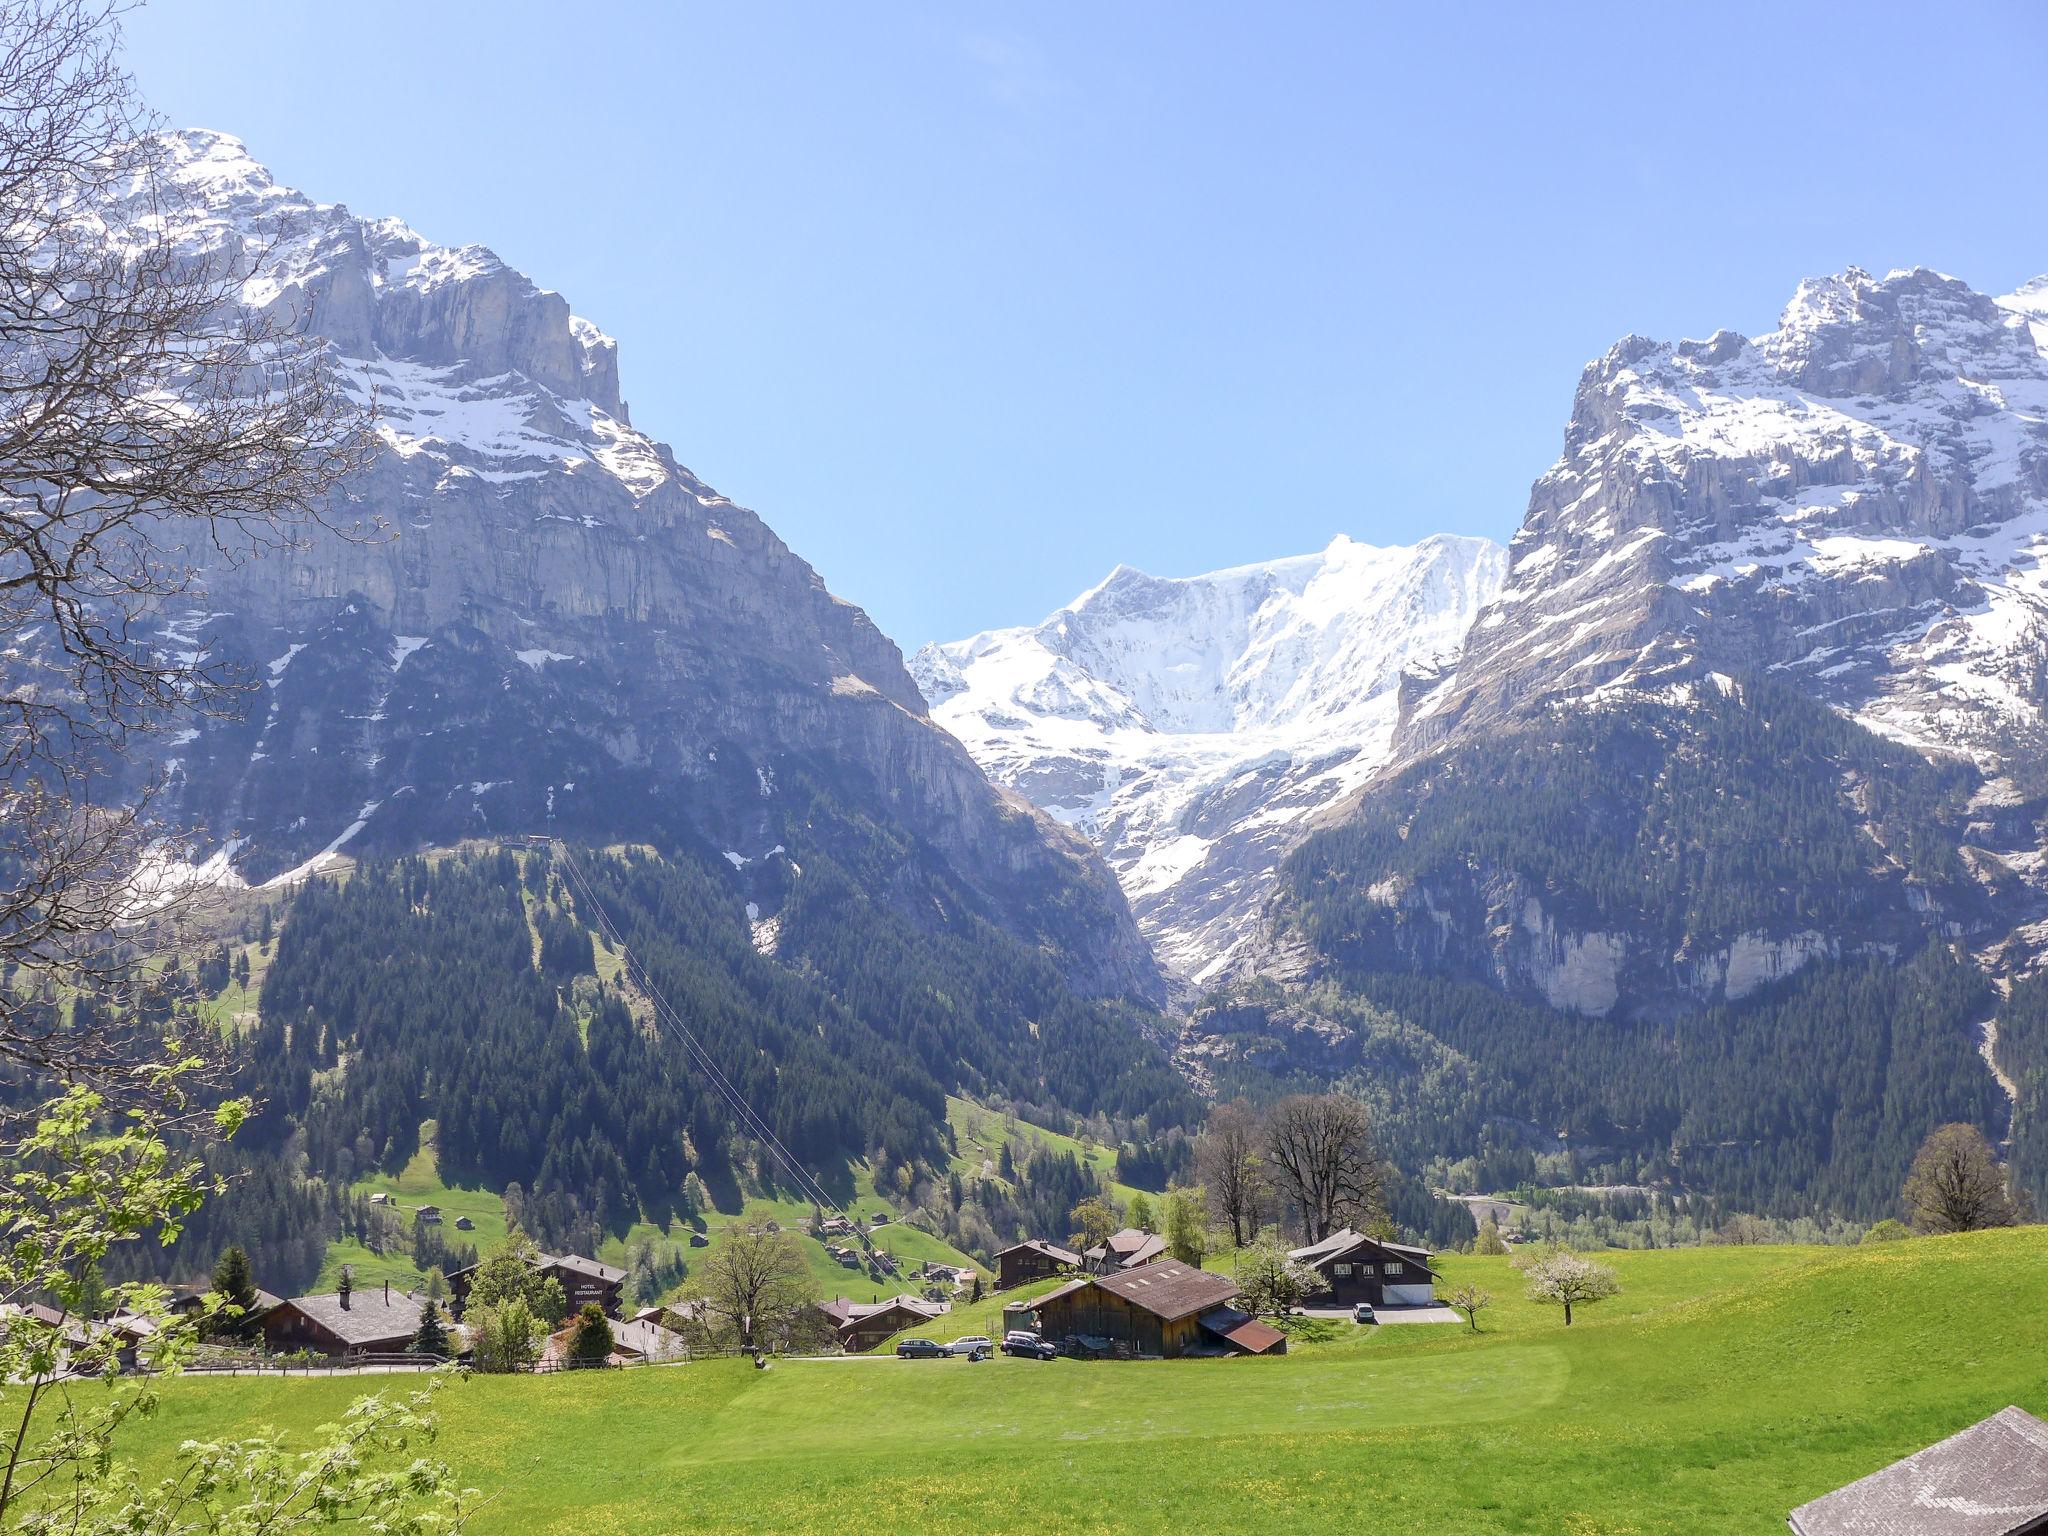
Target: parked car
[
  {"x": 1027, "y": 1345},
  {"x": 1363, "y": 1313},
  {"x": 921, "y": 1349},
  {"x": 972, "y": 1344}
]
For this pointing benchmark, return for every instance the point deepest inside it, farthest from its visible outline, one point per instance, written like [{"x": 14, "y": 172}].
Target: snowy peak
[
  {"x": 1192, "y": 725},
  {"x": 1858, "y": 500}
]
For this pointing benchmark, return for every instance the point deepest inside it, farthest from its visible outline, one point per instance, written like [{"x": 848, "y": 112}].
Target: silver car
[{"x": 974, "y": 1346}]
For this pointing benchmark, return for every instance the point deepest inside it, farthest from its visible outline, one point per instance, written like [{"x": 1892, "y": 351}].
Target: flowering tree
[{"x": 1564, "y": 1279}]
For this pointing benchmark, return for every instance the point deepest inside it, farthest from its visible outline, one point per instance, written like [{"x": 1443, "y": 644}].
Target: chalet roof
[
  {"x": 1169, "y": 1290},
  {"x": 369, "y": 1317},
  {"x": 1989, "y": 1480},
  {"x": 576, "y": 1264},
  {"x": 1243, "y": 1331},
  {"x": 1344, "y": 1242},
  {"x": 650, "y": 1341},
  {"x": 860, "y": 1311},
  {"x": 1129, "y": 1248},
  {"x": 1052, "y": 1251}
]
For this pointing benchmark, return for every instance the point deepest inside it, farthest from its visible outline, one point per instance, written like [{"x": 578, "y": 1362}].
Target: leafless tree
[
  {"x": 756, "y": 1285},
  {"x": 1230, "y": 1157},
  {"x": 149, "y": 422},
  {"x": 1956, "y": 1184},
  {"x": 1324, "y": 1161}
]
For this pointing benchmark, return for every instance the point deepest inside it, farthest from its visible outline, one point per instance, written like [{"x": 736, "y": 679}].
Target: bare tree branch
[{"x": 151, "y": 423}]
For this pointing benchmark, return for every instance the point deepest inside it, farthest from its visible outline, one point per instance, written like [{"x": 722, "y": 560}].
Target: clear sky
[{"x": 973, "y": 302}]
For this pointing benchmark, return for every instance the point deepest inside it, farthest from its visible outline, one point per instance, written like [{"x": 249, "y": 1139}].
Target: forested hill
[
  {"x": 1714, "y": 939},
  {"x": 470, "y": 990}
]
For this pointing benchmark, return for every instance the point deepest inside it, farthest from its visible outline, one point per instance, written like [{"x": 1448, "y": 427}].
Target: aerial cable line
[{"x": 665, "y": 1013}]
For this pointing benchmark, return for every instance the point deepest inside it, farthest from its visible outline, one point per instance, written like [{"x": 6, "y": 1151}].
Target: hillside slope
[{"x": 549, "y": 622}]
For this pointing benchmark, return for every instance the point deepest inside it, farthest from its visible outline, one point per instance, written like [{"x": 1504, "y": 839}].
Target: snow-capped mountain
[
  {"x": 1192, "y": 726},
  {"x": 1857, "y": 501},
  {"x": 559, "y": 626}
]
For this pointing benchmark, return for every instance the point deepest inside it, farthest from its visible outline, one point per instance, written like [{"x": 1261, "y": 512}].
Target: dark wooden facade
[
  {"x": 1369, "y": 1271},
  {"x": 1032, "y": 1261}
]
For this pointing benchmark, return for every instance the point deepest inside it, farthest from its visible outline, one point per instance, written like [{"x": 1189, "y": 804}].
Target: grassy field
[
  {"x": 980, "y": 1134},
  {"x": 1724, "y": 1386}
]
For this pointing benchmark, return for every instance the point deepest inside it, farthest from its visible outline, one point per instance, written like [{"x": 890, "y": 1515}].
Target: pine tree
[
  {"x": 432, "y": 1339},
  {"x": 235, "y": 1283}
]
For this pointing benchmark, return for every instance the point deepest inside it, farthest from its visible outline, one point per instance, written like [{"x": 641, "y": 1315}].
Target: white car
[{"x": 973, "y": 1344}]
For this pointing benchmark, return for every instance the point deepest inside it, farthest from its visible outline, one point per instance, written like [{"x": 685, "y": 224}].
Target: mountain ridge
[{"x": 1187, "y": 724}]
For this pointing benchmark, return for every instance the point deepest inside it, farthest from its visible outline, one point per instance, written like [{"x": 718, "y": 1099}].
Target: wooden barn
[{"x": 1165, "y": 1308}]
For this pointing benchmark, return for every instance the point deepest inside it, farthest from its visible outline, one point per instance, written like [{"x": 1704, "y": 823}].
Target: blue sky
[{"x": 973, "y": 302}]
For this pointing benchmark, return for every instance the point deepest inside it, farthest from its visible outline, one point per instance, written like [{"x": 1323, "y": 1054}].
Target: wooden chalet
[
  {"x": 1127, "y": 1249},
  {"x": 369, "y": 1320},
  {"x": 1022, "y": 1263},
  {"x": 861, "y": 1325},
  {"x": 1163, "y": 1308},
  {"x": 1989, "y": 1480},
  {"x": 1358, "y": 1268}
]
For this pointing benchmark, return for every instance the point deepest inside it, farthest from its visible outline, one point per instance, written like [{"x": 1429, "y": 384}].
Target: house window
[
  {"x": 1343, "y": 1271},
  {"x": 1393, "y": 1269},
  {"x": 1365, "y": 1269}
]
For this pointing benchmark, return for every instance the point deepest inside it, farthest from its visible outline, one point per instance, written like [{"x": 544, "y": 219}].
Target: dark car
[
  {"x": 920, "y": 1349},
  {"x": 1029, "y": 1346}
]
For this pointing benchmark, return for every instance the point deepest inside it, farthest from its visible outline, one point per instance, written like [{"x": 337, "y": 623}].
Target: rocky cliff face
[
  {"x": 1857, "y": 501},
  {"x": 1193, "y": 727},
  {"x": 558, "y": 625},
  {"x": 1852, "y": 508}
]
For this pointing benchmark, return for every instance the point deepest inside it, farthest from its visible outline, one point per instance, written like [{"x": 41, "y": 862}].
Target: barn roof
[
  {"x": 1169, "y": 1290},
  {"x": 1243, "y": 1331},
  {"x": 1989, "y": 1480}
]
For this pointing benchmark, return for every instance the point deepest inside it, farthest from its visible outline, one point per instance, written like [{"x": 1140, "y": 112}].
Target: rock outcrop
[{"x": 557, "y": 625}]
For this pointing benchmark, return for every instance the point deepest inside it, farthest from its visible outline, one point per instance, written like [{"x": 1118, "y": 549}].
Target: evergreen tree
[
  {"x": 235, "y": 1283},
  {"x": 432, "y": 1338}
]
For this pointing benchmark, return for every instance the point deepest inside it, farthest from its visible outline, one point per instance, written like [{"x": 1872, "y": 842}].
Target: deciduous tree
[
  {"x": 1956, "y": 1184},
  {"x": 1559, "y": 1277},
  {"x": 755, "y": 1284},
  {"x": 1187, "y": 1226},
  {"x": 1230, "y": 1158},
  {"x": 1471, "y": 1300},
  {"x": 1324, "y": 1162},
  {"x": 1094, "y": 1223}
]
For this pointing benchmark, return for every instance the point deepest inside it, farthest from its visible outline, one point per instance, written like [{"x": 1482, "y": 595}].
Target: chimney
[{"x": 387, "y": 1293}]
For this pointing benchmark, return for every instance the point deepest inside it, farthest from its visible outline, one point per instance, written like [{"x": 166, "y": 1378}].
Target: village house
[
  {"x": 1127, "y": 1249},
  {"x": 1989, "y": 1480},
  {"x": 428, "y": 1215},
  {"x": 634, "y": 1342},
  {"x": 861, "y": 1325},
  {"x": 1357, "y": 1268},
  {"x": 582, "y": 1280},
  {"x": 190, "y": 1300},
  {"x": 369, "y": 1320},
  {"x": 1164, "y": 1308},
  {"x": 1022, "y": 1263}
]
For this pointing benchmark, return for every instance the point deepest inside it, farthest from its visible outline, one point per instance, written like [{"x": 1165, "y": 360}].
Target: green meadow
[{"x": 1722, "y": 1387}]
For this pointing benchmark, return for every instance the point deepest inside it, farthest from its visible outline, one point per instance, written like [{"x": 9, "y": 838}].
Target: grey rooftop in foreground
[{"x": 1990, "y": 1480}]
